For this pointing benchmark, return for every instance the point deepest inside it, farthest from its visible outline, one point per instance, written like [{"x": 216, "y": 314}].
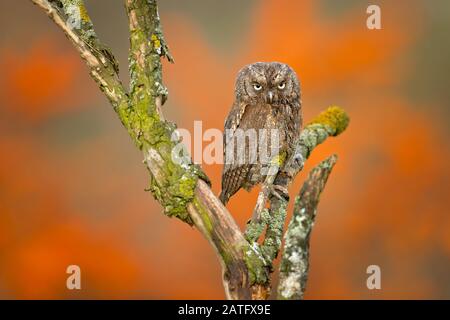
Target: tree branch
[
  {"x": 295, "y": 262},
  {"x": 73, "y": 19},
  {"x": 242, "y": 265}
]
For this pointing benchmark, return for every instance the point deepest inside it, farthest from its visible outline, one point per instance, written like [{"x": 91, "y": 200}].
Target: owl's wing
[
  {"x": 234, "y": 174},
  {"x": 234, "y": 118}
]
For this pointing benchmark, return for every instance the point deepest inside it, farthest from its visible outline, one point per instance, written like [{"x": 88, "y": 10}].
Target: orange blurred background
[{"x": 72, "y": 183}]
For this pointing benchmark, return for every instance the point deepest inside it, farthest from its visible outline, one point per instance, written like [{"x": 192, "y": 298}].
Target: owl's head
[{"x": 268, "y": 82}]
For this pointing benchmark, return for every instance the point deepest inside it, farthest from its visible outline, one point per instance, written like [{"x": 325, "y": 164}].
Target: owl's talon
[{"x": 279, "y": 192}]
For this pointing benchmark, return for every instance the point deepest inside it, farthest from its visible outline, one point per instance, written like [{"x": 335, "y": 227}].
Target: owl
[{"x": 266, "y": 114}]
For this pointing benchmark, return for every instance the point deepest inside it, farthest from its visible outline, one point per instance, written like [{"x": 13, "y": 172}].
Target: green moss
[
  {"x": 335, "y": 118},
  {"x": 225, "y": 253},
  {"x": 255, "y": 228},
  {"x": 204, "y": 215},
  {"x": 254, "y": 231},
  {"x": 274, "y": 233},
  {"x": 178, "y": 187},
  {"x": 257, "y": 269},
  {"x": 150, "y": 132}
]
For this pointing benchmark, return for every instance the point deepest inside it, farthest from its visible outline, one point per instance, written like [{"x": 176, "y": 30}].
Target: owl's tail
[{"x": 224, "y": 197}]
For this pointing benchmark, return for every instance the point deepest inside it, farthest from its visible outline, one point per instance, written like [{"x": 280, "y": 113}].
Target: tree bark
[{"x": 294, "y": 266}]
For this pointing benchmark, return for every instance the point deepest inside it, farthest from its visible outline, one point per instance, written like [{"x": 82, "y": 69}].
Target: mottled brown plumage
[{"x": 267, "y": 96}]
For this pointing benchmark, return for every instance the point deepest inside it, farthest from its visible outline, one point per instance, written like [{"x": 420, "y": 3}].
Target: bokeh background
[{"x": 72, "y": 183}]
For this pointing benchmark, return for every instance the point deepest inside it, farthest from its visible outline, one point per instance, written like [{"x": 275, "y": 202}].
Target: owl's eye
[
  {"x": 257, "y": 87},
  {"x": 282, "y": 85}
]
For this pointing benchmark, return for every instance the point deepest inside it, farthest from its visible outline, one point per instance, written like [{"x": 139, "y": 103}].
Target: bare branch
[
  {"x": 147, "y": 47},
  {"x": 295, "y": 262},
  {"x": 74, "y": 21}
]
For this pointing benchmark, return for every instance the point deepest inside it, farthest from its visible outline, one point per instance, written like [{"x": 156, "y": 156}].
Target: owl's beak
[{"x": 270, "y": 96}]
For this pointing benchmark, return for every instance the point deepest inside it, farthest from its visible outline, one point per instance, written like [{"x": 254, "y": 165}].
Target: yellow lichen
[
  {"x": 156, "y": 41},
  {"x": 83, "y": 12},
  {"x": 335, "y": 118},
  {"x": 278, "y": 160}
]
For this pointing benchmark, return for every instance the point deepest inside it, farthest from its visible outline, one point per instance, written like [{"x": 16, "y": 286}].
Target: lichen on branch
[
  {"x": 330, "y": 123},
  {"x": 294, "y": 265},
  {"x": 171, "y": 183}
]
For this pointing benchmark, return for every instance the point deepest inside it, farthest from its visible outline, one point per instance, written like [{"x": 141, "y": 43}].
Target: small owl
[{"x": 267, "y": 102}]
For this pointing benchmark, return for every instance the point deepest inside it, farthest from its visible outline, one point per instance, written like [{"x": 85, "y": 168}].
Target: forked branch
[{"x": 180, "y": 186}]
